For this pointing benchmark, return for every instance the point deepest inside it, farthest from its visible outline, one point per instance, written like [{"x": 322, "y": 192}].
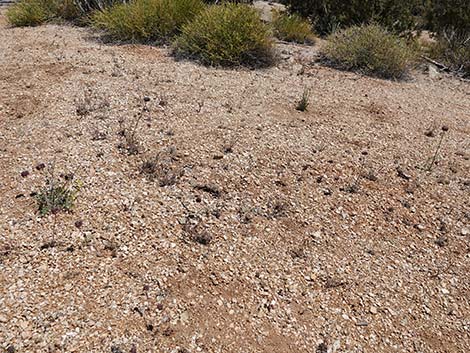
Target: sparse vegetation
[
  {"x": 433, "y": 159},
  {"x": 227, "y": 35},
  {"x": 162, "y": 168},
  {"x": 91, "y": 102},
  {"x": 371, "y": 50},
  {"x": 303, "y": 103},
  {"x": 212, "y": 205},
  {"x": 129, "y": 131},
  {"x": 59, "y": 194},
  {"x": 293, "y": 28},
  {"x": 146, "y": 20}
]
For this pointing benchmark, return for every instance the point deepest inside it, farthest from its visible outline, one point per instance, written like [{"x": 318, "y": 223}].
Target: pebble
[
  {"x": 373, "y": 310},
  {"x": 465, "y": 231}
]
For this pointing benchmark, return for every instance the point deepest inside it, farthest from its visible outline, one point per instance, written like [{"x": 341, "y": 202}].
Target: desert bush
[
  {"x": 329, "y": 15},
  {"x": 369, "y": 49},
  {"x": 445, "y": 15},
  {"x": 29, "y": 13},
  {"x": 227, "y": 35},
  {"x": 452, "y": 49},
  {"x": 146, "y": 20},
  {"x": 36, "y": 12},
  {"x": 87, "y": 6},
  {"x": 293, "y": 28}
]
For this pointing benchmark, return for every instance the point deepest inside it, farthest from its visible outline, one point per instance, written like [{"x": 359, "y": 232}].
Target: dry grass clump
[
  {"x": 293, "y": 28},
  {"x": 146, "y": 20},
  {"x": 227, "y": 35},
  {"x": 369, "y": 49},
  {"x": 304, "y": 102}
]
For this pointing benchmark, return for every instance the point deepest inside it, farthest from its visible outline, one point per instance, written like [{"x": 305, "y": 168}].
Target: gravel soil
[{"x": 253, "y": 227}]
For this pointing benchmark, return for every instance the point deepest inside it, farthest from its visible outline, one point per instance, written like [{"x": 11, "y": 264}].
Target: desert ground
[{"x": 261, "y": 228}]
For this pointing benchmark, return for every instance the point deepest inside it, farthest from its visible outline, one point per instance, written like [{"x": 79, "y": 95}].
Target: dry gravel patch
[{"x": 257, "y": 228}]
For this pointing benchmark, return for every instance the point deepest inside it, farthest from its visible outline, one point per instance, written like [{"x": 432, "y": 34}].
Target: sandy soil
[{"x": 274, "y": 231}]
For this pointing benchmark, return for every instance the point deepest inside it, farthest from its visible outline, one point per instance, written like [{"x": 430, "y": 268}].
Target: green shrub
[
  {"x": 293, "y": 28},
  {"x": 227, "y": 35},
  {"x": 28, "y": 13},
  {"x": 146, "y": 20},
  {"x": 445, "y": 15},
  {"x": 36, "y": 12},
  {"x": 87, "y": 6},
  {"x": 329, "y": 15},
  {"x": 369, "y": 49}
]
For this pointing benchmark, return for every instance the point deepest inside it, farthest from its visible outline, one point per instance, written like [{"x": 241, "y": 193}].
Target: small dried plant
[
  {"x": 91, "y": 102},
  {"x": 433, "y": 159},
  {"x": 304, "y": 102},
  {"x": 162, "y": 168},
  {"x": 131, "y": 143}
]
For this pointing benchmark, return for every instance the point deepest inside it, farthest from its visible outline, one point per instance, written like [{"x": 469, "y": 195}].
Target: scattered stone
[
  {"x": 214, "y": 190},
  {"x": 430, "y": 133},
  {"x": 402, "y": 174},
  {"x": 419, "y": 227},
  {"x": 40, "y": 166},
  {"x": 116, "y": 349},
  {"x": 373, "y": 310},
  {"x": 465, "y": 231},
  {"x": 203, "y": 238},
  {"x": 441, "y": 241},
  {"x": 322, "y": 348}
]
